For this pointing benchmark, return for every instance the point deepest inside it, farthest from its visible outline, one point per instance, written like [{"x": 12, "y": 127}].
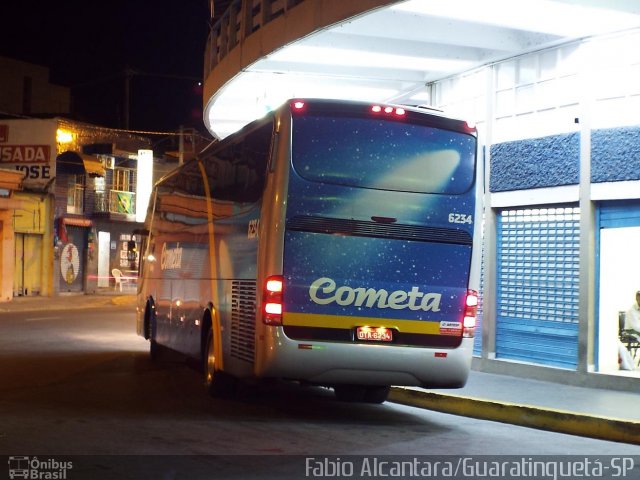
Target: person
[
  {"x": 625, "y": 360},
  {"x": 632, "y": 318},
  {"x": 630, "y": 337}
]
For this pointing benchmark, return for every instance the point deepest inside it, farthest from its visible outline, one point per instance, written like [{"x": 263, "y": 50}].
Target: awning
[
  {"x": 11, "y": 179},
  {"x": 74, "y": 163},
  {"x": 13, "y": 204},
  {"x": 93, "y": 166},
  {"x": 77, "y": 221}
]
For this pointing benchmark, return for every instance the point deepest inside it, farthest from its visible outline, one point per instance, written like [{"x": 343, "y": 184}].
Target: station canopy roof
[{"x": 391, "y": 53}]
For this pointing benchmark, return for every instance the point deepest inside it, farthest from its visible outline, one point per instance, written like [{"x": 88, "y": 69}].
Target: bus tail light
[
  {"x": 272, "y": 300},
  {"x": 470, "y": 313},
  {"x": 398, "y": 111}
]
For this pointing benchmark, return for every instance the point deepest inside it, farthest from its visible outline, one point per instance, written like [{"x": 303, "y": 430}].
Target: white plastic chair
[{"x": 119, "y": 278}]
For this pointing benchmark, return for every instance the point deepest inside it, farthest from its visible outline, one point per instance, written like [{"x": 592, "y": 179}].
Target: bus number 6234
[{"x": 460, "y": 218}]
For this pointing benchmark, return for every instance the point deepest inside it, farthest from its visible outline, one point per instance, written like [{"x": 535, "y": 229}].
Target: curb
[
  {"x": 124, "y": 300},
  {"x": 560, "y": 421}
]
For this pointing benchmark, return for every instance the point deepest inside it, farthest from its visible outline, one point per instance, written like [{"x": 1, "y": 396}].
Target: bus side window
[{"x": 237, "y": 172}]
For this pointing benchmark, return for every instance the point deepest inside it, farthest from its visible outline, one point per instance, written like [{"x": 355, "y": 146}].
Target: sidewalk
[
  {"x": 589, "y": 412},
  {"x": 68, "y": 300}
]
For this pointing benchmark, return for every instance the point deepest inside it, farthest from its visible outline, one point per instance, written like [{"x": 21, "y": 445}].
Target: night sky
[{"x": 90, "y": 45}]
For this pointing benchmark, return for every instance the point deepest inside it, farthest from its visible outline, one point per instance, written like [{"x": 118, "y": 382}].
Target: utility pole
[
  {"x": 181, "y": 146},
  {"x": 128, "y": 74}
]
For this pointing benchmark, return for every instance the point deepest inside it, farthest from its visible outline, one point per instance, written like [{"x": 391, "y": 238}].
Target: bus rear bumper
[{"x": 327, "y": 363}]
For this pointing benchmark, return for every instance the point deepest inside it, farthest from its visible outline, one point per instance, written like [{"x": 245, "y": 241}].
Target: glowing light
[
  {"x": 273, "y": 308},
  {"x": 546, "y": 16},
  {"x": 64, "y": 136},
  {"x": 273, "y": 300},
  {"x": 274, "y": 285},
  {"x": 470, "y": 313},
  {"x": 319, "y": 55},
  {"x": 144, "y": 183},
  {"x": 469, "y": 322}
]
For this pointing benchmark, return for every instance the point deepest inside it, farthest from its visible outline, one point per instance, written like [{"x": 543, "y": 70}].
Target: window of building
[
  {"x": 539, "y": 94},
  {"x": 75, "y": 194},
  {"x": 123, "y": 179}
]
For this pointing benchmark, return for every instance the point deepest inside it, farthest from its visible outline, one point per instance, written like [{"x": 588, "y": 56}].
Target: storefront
[
  {"x": 10, "y": 182},
  {"x": 118, "y": 249},
  {"x": 82, "y": 184},
  {"x": 535, "y": 302},
  {"x": 618, "y": 246}
]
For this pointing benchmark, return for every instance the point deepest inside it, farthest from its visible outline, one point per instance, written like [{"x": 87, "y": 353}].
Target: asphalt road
[{"x": 80, "y": 383}]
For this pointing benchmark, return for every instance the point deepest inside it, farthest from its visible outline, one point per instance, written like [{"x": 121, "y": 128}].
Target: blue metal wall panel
[
  {"x": 477, "y": 341},
  {"x": 537, "y": 286},
  {"x": 624, "y": 213}
]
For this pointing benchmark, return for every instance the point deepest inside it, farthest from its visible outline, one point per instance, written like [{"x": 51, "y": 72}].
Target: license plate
[{"x": 374, "y": 334}]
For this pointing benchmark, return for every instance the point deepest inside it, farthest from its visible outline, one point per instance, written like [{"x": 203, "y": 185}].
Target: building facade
[
  {"x": 561, "y": 135},
  {"x": 76, "y": 216},
  {"x": 26, "y": 90}
]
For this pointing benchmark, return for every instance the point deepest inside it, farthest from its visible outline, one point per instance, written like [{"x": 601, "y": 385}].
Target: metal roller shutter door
[
  {"x": 477, "y": 341},
  {"x": 537, "y": 285}
]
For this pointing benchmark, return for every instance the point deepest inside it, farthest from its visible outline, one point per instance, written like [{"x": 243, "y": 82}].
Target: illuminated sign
[{"x": 144, "y": 183}]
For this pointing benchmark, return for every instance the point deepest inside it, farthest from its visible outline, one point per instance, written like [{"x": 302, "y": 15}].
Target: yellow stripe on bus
[
  {"x": 335, "y": 321},
  {"x": 217, "y": 331}
]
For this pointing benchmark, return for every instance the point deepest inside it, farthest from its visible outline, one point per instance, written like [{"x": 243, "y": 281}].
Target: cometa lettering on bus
[
  {"x": 397, "y": 300},
  {"x": 171, "y": 258}
]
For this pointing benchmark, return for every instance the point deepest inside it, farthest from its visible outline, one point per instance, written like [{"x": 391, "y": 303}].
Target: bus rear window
[{"x": 384, "y": 155}]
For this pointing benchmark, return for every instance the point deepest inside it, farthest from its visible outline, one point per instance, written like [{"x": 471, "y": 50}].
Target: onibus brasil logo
[{"x": 38, "y": 469}]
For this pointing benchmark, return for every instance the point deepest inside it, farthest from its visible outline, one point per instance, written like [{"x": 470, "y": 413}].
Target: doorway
[
  {"x": 619, "y": 281},
  {"x": 27, "y": 273},
  {"x": 104, "y": 248}
]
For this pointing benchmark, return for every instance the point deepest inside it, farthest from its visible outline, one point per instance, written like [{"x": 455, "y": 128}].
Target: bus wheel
[
  {"x": 155, "y": 350},
  {"x": 376, "y": 394},
  {"x": 217, "y": 383},
  {"x": 349, "y": 393}
]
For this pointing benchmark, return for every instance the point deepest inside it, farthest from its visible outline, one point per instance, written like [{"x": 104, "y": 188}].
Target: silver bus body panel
[{"x": 329, "y": 363}]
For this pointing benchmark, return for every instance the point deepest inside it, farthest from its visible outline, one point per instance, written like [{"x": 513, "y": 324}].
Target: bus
[{"x": 329, "y": 243}]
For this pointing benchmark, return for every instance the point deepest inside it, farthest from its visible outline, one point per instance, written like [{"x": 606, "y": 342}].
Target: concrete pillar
[
  {"x": 489, "y": 298},
  {"x": 586, "y": 308}
]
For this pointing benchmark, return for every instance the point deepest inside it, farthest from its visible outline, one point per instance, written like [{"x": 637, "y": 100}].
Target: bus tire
[
  {"x": 217, "y": 383},
  {"x": 349, "y": 393},
  {"x": 155, "y": 350},
  {"x": 376, "y": 394}
]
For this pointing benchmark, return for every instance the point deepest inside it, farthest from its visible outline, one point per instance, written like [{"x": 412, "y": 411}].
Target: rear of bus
[{"x": 374, "y": 285}]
